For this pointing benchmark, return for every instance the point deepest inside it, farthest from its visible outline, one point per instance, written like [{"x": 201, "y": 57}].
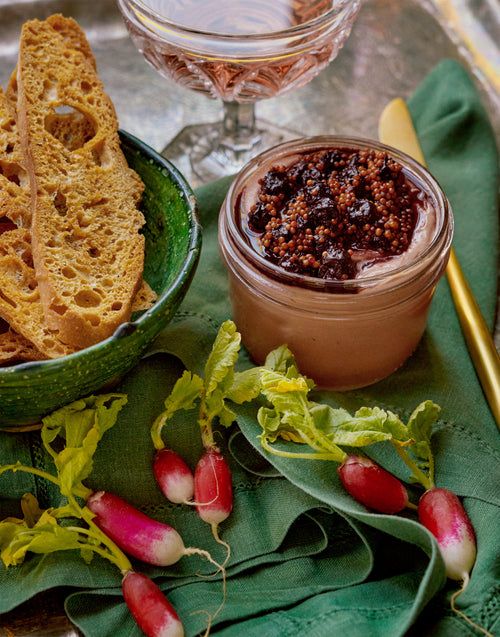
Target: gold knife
[{"x": 396, "y": 129}]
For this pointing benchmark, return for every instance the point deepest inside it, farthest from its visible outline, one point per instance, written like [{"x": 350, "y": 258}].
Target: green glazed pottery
[{"x": 29, "y": 391}]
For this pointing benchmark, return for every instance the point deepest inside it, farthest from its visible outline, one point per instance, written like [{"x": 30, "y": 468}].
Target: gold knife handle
[
  {"x": 480, "y": 343},
  {"x": 396, "y": 129}
]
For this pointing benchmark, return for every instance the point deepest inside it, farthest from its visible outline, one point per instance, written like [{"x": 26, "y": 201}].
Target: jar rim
[{"x": 415, "y": 171}]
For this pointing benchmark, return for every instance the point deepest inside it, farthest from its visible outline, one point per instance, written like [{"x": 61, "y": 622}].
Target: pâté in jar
[{"x": 334, "y": 247}]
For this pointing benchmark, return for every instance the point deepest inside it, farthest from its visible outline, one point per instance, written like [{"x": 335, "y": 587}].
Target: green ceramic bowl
[{"x": 29, "y": 391}]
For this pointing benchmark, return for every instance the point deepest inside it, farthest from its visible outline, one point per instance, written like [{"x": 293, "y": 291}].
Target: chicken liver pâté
[{"x": 334, "y": 213}]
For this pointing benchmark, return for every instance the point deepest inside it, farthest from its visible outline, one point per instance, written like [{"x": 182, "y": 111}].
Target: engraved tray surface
[{"x": 393, "y": 45}]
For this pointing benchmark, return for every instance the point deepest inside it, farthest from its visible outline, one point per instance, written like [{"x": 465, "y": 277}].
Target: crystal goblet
[{"x": 240, "y": 53}]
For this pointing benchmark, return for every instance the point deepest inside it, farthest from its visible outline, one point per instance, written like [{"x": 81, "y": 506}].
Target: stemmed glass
[{"x": 240, "y": 52}]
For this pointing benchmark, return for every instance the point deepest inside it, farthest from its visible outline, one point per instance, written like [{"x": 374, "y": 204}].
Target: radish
[
  {"x": 213, "y": 488},
  {"x": 371, "y": 485},
  {"x": 211, "y": 485},
  {"x": 213, "y": 491},
  {"x": 152, "y": 611},
  {"x": 220, "y": 385},
  {"x": 173, "y": 476},
  {"x": 442, "y": 513},
  {"x": 137, "y": 534},
  {"x": 114, "y": 527}
]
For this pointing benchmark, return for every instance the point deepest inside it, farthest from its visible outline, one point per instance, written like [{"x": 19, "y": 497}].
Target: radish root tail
[
  {"x": 210, "y": 618},
  {"x": 463, "y": 615},
  {"x": 215, "y": 531},
  {"x": 220, "y": 569},
  {"x": 207, "y": 556}
]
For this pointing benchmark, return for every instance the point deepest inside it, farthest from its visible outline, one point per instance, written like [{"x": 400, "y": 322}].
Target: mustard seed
[{"x": 335, "y": 204}]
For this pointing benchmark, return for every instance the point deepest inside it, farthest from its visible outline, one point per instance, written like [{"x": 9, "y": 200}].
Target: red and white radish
[
  {"x": 173, "y": 476},
  {"x": 142, "y": 537},
  {"x": 442, "y": 513},
  {"x": 213, "y": 495},
  {"x": 137, "y": 534},
  {"x": 371, "y": 485},
  {"x": 150, "y": 608},
  {"x": 213, "y": 491}
]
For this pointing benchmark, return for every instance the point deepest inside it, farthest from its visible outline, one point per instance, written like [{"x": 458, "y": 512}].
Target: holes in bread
[
  {"x": 49, "y": 343},
  {"x": 50, "y": 90},
  {"x": 116, "y": 306},
  {"x": 68, "y": 272},
  {"x": 58, "y": 309},
  {"x": 70, "y": 126},
  {"x": 28, "y": 292},
  {"x": 101, "y": 154},
  {"x": 6, "y": 225},
  {"x": 9, "y": 126},
  {"x": 13, "y": 172},
  {"x": 27, "y": 256},
  {"x": 87, "y": 298},
  {"x": 93, "y": 319},
  {"x": 60, "y": 204},
  {"x": 86, "y": 86}
]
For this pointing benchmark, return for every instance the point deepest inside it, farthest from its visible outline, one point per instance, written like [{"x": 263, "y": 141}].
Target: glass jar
[{"x": 344, "y": 334}]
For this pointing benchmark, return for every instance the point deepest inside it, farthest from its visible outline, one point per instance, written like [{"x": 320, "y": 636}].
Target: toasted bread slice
[
  {"x": 14, "y": 347},
  {"x": 19, "y": 299},
  {"x": 73, "y": 35},
  {"x": 20, "y": 303},
  {"x": 144, "y": 298},
  {"x": 15, "y": 194},
  {"x": 88, "y": 253},
  {"x": 23, "y": 332},
  {"x": 20, "y": 307}
]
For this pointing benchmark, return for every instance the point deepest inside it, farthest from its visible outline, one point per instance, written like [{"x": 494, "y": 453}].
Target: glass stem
[{"x": 239, "y": 130}]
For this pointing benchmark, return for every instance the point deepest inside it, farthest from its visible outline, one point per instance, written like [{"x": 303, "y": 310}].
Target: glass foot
[{"x": 203, "y": 152}]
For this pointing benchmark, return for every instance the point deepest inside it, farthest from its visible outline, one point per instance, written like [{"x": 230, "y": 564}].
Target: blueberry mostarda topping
[{"x": 335, "y": 209}]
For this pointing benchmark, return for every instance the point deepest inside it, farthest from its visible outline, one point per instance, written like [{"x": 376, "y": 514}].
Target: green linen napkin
[{"x": 306, "y": 558}]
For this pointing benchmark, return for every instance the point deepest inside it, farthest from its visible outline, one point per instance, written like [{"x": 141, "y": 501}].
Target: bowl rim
[
  {"x": 151, "y": 15},
  {"x": 188, "y": 267}
]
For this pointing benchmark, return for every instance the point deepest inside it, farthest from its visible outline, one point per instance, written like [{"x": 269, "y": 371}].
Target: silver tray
[{"x": 393, "y": 45}]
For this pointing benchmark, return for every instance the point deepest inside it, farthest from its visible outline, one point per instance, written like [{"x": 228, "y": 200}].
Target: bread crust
[{"x": 87, "y": 250}]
